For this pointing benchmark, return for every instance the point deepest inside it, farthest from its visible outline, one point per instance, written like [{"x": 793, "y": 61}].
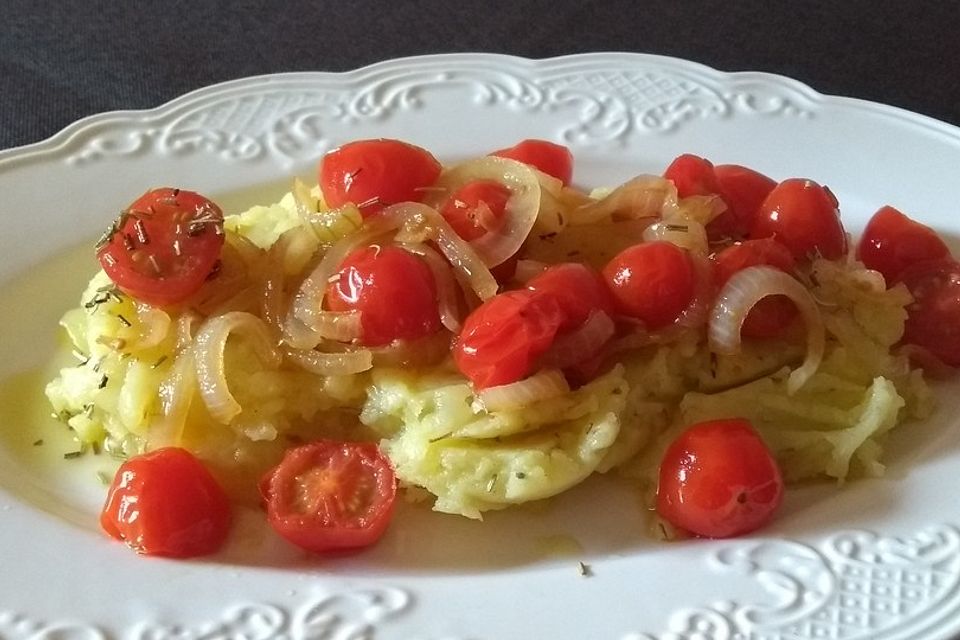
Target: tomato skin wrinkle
[
  {"x": 502, "y": 339},
  {"x": 166, "y": 503},
  {"x": 933, "y": 318},
  {"x": 803, "y": 216},
  {"x": 329, "y": 496},
  {"x": 164, "y": 246},
  {"x": 692, "y": 176},
  {"x": 891, "y": 242},
  {"x": 718, "y": 479},
  {"x": 743, "y": 190},
  {"x": 393, "y": 289},
  {"x": 578, "y": 289},
  {"x": 652, "y": 282},
  {"x": 552, "y": 159},
  {"x": 376, "y": 173}
]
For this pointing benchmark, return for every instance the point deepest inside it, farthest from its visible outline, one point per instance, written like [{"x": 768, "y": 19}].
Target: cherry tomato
[
  {"x": 718, "y": 479},
  {"x": 331, "y": 496},
  {"x": 892, "y": 242},
  {"x": 579, "y": 290},
  {"x": 804, "y": 217},
  {"x": 693, "y": 176},
  {"x": 743, "y": 190},
  {"x": 375, "y": 173},
  {"x": 552, "y": 159},
  {"x": 933, "y": 318},
  {"x": 166, "y": 503},
  {"x": 163, "y": 246},
  {"x": 502, "y": 339},
  {"x": 773, "y": 314},
  {"x": 653, "y": 282},
  {"x": 393, "y": 290},
  {"x": 476, "y": 208}
]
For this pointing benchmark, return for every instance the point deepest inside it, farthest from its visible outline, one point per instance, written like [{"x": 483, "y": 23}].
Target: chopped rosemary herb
[
  {"x": 584, "y": 569},
  {"x": 38, "y": 442},
  {"x": 159, "y": 362},
  {"x": 104, "y": 379},
  {"x": 123, "y": 320},
  {"x": 70, "y": 455}
]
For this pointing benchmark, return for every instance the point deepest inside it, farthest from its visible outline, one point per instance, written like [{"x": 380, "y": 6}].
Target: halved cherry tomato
[
  {"x": 579, "y": 290},
  {"x": 552, "y": 159},
  {"x": 892, "y": 242},
  {"x": 773, "y": 314},
  {"x": 719, "y": 479},
  {"x": 393, "y": 290},
  {"x": 375, "y": 173},
  {"x": 803, "y": 216},
  {"x": 933, "y": 318},
  {"x": 502, "y": 339},
  {"x": 653, "y": 282},
  {"x": 743, "y": 190},
  {"x": 166, "y": 503},
  {"x": 331, "y": 496},
  {"x": 163, "y": 246},
  {"x": 476, "y": 208},
  {"x": 692, "y": 176}
]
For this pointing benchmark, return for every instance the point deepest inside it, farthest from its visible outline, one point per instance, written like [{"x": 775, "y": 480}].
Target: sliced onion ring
[
  {"x": 307, "y": 305},
  {"x": 330, "y": 364},
  {"x": 584, "y": 342},
  {"x": 154, "y": 326},
  {"x": 521, "y": 209},
  {"x": 544, "y": 385},
  {"x": 745, "y": 289},
  {"x": 208, "y": 349},
  {"x": 176, "y": 393},
  {"x": 420, "y": 222},
  {"x": 447, "y": 303}
]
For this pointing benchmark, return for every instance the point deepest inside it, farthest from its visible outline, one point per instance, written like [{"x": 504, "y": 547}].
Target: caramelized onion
[
  {"x": 745, "y": 289},
  {"x": 527, "y": 270},
  {"x": 420, "y": 352},
  {"x": 208, "y": 350},
  {"x": 584, "y": 342},
  {"x": 545, "y": 385},
  {"x": 640, "y": 197},
  {"x": 696, "y": 313},
  {"x": 330, "y": 364},
  {"x": 688, "y": 234}
]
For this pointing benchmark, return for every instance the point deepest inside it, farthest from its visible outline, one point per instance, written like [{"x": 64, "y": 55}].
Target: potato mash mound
[{"x": 147, "y": 377}]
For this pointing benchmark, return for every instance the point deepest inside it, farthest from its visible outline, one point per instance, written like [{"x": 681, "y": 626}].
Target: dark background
[{"x": 61, "y": 61}]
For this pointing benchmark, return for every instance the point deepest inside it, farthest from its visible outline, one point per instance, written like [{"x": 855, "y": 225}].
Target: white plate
[{"x": 878, "y": 559}]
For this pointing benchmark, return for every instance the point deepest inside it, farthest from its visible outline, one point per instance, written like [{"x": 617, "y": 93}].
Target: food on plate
[{"x": 486, "y": 334}]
